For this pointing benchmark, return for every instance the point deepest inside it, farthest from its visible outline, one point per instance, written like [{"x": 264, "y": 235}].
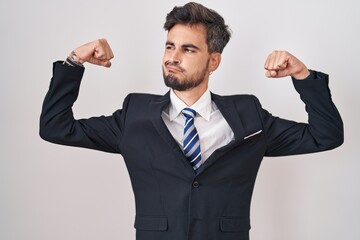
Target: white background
[{"x": 54, "y": 192}]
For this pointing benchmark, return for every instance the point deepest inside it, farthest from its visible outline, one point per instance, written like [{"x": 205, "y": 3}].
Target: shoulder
[
  {"x": 237, "y": 99},
  {"x": 144, "y": 99},
  {"x": 246, "y": 105}
]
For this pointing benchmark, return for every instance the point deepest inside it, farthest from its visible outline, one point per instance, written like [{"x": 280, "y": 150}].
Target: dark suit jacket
[{"x": 172, "y": 203}]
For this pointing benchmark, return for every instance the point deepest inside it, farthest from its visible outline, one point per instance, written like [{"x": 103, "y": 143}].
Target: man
[{"x": 192, "y": 155}]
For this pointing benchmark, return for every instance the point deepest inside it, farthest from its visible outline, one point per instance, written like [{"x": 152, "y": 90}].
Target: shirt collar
[{"x": 201, "y": 106}]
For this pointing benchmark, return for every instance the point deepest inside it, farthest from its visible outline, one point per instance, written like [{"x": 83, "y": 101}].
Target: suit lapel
[
  {"x": 157, "y": 107},
  {"x": 228, "y": 110}
]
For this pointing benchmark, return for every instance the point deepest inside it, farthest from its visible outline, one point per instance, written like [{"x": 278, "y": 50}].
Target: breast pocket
[{"x": 254, "y": 134}]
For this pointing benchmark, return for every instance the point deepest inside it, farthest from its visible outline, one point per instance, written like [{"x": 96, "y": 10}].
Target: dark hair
[{"x": 217, "y": 33}]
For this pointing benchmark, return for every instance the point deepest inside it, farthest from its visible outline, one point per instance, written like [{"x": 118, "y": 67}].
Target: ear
[{"x": 215, "y": 59}]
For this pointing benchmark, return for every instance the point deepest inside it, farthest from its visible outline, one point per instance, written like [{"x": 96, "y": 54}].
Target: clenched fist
[
  {"x": 282, "y": 64},
  {"x": 97, "y": 52}
]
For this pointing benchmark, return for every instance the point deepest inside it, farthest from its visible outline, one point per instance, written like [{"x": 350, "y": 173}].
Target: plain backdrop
[{"x": 54, "y": 192}]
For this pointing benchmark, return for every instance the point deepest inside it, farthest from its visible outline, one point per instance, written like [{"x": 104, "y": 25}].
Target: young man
[{"x": 192, "y": 156}]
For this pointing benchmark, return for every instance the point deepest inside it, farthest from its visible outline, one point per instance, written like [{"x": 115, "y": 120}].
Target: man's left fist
[{"x": 282, "y": 64}]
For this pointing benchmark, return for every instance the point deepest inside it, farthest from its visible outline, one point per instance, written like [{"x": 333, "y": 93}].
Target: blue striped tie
[{"x": 191, "y": 142}]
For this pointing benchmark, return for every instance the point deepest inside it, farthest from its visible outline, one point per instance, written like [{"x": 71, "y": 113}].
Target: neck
[{"x": 189, "y": 97}]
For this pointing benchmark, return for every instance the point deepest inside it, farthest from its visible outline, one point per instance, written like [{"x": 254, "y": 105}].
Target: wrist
[
  {"x": 74, "y": 57},
  {"x": 301, "y": 75},
  {"x": 74, "y": 60}
]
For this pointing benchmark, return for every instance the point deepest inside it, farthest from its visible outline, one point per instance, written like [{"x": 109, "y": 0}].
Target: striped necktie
[{"x": 191, "y": 142}]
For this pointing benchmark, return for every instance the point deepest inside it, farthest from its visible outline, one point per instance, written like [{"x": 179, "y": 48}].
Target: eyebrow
[{"x": 188, "y": 45}]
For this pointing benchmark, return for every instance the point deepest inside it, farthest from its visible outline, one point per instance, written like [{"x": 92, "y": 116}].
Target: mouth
[{"x": 173, "y": 69}]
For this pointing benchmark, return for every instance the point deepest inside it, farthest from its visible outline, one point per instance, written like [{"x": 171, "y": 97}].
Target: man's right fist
[{"x": 97, "y": 52}]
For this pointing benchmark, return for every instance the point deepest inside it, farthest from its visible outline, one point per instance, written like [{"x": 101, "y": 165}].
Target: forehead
[{"x": 185, "y": 34}]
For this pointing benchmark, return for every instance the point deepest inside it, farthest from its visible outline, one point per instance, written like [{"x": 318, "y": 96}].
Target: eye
[
  {"x": 169, "y": 47},
  {"x": 189, "y": 50}
]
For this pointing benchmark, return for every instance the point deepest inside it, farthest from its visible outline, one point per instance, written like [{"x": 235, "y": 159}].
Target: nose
[{"x": 174, "y": 57}]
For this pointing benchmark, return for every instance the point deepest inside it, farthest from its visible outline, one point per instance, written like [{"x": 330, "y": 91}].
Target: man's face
[{"x": 186, "y": 57}]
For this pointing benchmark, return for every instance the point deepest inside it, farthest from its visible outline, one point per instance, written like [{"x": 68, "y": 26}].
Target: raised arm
[
  {"x": 57, "y": 123},
  {"x": 324, "y": 129}
]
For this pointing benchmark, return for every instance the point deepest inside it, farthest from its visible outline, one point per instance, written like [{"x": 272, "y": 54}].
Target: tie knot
[{"x": 189, "y": 113}]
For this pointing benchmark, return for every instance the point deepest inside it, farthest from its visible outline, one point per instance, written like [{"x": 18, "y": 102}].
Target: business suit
[{"x": 171, "y": 201}]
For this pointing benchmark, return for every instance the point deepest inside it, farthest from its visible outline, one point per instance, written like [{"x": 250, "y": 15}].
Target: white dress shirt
[{"x": 214, "y": 132}]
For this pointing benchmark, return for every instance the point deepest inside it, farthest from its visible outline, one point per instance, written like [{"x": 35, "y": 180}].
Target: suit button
[{"x": 196, "y": 184}]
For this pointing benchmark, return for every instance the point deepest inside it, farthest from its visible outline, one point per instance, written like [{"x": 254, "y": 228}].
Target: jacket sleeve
[
  {"x": 324, "y": 130},
  {"x": 57, "y": 123}
]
